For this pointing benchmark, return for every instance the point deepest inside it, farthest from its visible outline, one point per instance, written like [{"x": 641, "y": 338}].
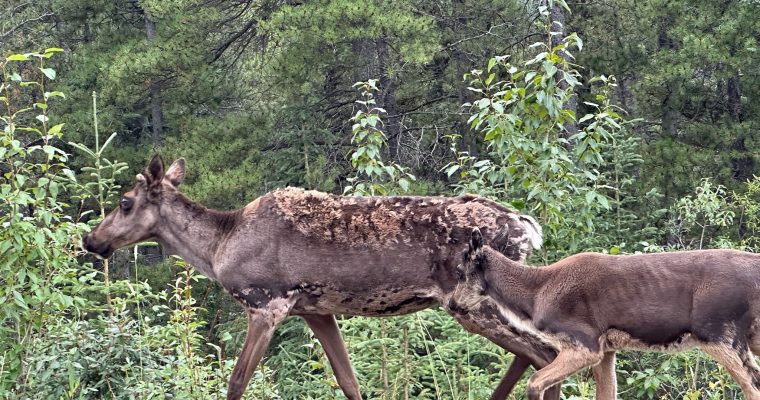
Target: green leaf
[
  {"x": 49, "y": 72},
  {"x": 404, "y": 184},
  {"x": 18, "y": 57},
  {"x": 550, "y": 68},
  {"x": 491, "y": 64},
  {"x": 590, "y": 196},
  {"x": 585, "y": 118},
  {"x": 603, "y": 201},
  {"x": 19, "y": 300},
  {"x": 56, "y": 129},
  {"x": 490, "y": 79},
  {"x": 69, "y": 174},
  {"x": 452, "y": 169},
  {"x": 54, "y": 94}
]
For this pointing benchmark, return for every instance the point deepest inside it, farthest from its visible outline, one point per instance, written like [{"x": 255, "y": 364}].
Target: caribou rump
[
  {"x": 589, "y": 305},
  {"x": 314, "y": 255}
]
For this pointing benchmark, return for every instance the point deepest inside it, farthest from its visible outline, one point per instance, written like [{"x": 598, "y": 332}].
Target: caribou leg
[
  {"x": 261, "y": 325},
  {"x": 325, "y": 328},
  {"x": 507, "y": 383},
  {"x": 480, "y": 320},
  {"x": 604, "y": 376},
  {"x": 740, "y": 363},
  {"x": 568, "y": 361},
  {"x": 513, "y": 375}
]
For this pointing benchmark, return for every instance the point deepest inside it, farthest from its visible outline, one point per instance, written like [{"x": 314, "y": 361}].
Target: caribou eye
[{"x": 125, "y": 204}]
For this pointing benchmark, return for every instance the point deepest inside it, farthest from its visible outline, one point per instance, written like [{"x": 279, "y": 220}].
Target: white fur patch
[
  {"x": 533, "y": 230},
  {"x": 526, "y": 327}
]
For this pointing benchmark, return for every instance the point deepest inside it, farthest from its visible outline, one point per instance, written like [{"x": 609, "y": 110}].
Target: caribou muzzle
[{"x": 102, "y": 250}]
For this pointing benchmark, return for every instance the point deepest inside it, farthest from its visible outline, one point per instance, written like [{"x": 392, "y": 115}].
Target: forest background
[{"x": 624, "y": 126}]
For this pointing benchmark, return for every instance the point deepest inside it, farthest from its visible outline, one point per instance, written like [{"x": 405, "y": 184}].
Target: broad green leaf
[
  {"x": 404, "y": 184},
  {"x": 452, "y": 169},
  {"x": 49, "y": 72},
  {"x": 55, "y": 129}
]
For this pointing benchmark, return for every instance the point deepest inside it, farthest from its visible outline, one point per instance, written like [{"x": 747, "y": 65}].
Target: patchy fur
[
  {"x": 377, "y": 222},
  {"x": 312, "y": 254}
]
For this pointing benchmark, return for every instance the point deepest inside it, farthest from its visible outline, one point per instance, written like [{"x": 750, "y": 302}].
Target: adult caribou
[
  {"x": 306, "y": 253},
  {"x": 590, "y": 305}
]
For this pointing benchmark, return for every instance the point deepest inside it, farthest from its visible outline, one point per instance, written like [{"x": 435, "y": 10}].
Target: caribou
[
  {"x": 315, "y": 255},
  {"x": 590, "y": 305}
]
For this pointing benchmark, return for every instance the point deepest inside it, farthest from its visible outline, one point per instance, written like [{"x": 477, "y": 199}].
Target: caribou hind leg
[
  {"x": 261, "y": 325},
  {"x": 568, "y": 361},
  {"x": 740, "y": 363},
  {"x": 325, "y": 328}
]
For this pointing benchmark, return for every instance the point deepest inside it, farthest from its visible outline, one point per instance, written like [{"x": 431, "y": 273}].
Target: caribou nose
[
  {"x": 90, "y": 247},
  {"x": 85, "y": 243}
]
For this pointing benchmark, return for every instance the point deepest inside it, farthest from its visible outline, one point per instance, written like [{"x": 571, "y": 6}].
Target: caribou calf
[
  {"x": 305, "y": 253},
  {"x": 589, "y": 305}
]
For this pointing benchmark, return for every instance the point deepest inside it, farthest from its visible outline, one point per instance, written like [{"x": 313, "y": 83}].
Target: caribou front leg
[
  {"x": 478, "y": 317},
  {"x": 261, "y": 325},
  {"x": 325, "y": 328},
  {"x": 604, "y": 375},
  {"x": 515, "y": 371}
]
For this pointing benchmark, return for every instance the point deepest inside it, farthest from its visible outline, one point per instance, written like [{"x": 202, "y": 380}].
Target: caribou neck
[
  {"x": 193, "y": 232},
  {"x": 515, "y": 285}
]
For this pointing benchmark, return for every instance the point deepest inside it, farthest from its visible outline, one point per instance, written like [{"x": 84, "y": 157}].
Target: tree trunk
[
  {"x": 86, "y": 33},
  {"x": 157, "y": 118},
  {"x": 669, "y": 114},
  {"x": 742, "y": 165},
  {"x": 387, "y": 98}
]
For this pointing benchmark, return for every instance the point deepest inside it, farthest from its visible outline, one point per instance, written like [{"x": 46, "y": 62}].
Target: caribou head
[{"x": 139, "y": 209}]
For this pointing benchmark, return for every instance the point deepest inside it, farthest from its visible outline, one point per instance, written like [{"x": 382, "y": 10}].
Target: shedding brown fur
[{"x": 314, "y": 255}]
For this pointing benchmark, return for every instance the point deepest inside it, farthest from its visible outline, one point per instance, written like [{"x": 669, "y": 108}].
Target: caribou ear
[
  {"x": 154, "y": 173},
  {"x": 176, "y": 172}
]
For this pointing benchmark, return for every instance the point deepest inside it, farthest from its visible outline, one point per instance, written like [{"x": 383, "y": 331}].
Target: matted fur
[{"x": 312, "y": 254}]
